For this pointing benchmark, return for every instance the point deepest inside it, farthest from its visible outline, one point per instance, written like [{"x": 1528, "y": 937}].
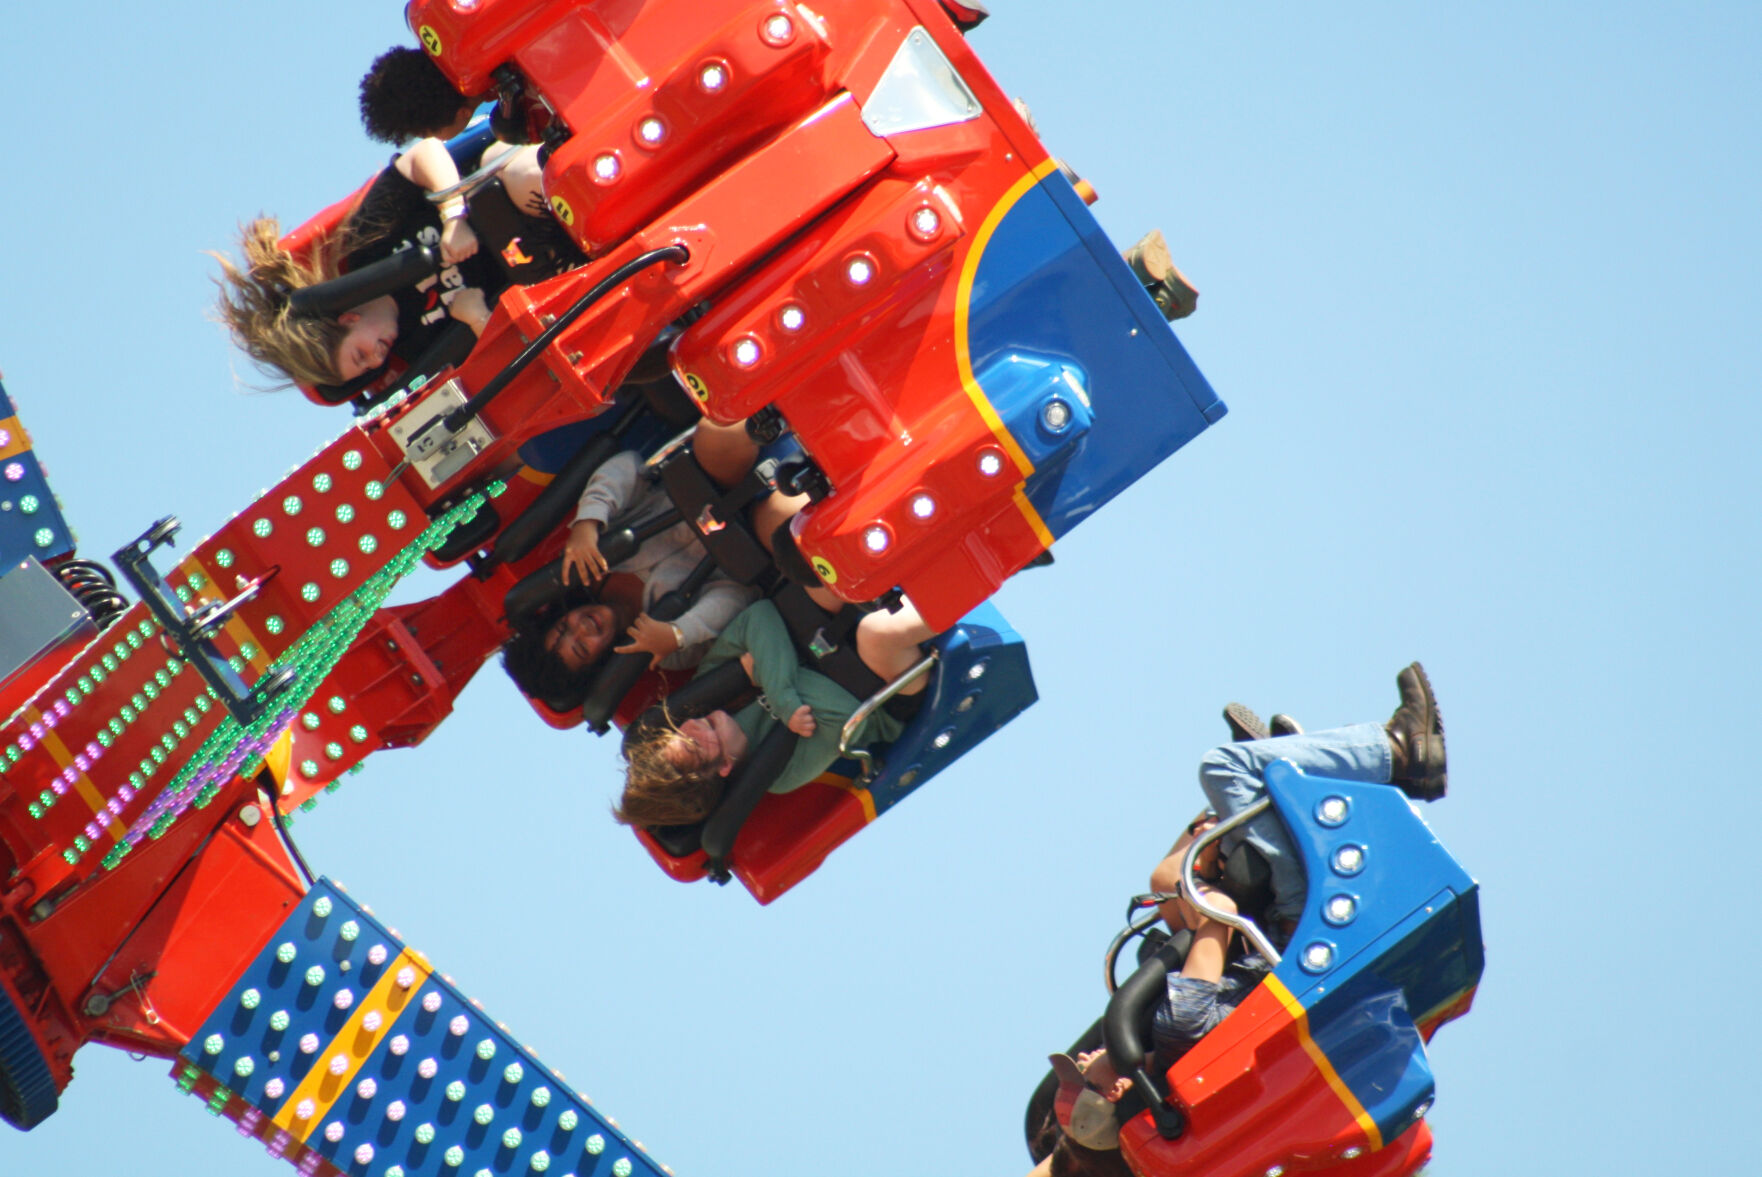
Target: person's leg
[
  {"x": 522, "y": 177},
  {"x": 1233, "y": 777},
  {"x": 726, "y": 452},
  {"x": 771, "y": 513},
  {"x": 888, "y": 644}
]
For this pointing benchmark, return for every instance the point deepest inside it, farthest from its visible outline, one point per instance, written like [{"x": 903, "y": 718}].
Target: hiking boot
[
  {"x": 1283, "y": 725},
  {"x": 1244, "y": 724},
  {"x": 1175, "y": 297},
  {"x": 1416, "y": 738}
]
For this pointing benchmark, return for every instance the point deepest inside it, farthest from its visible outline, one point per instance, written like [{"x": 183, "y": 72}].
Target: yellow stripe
[
  {"x": 1041, "y": 531},
  {"x": 83, "y": 784},
  {"x": 278, "y": 762},
  {"x": 1300, "y": 1019},
  {"x": 235, "y": 627},
  {"x": 536, "y": 477},
  {"x": 864, "y": 798},
  {"x": 356, "y": 1043},
  {"x": 963, "y": 354},
  {"x": 20, "y": 441},
  {"x": 962, "y": 299}
]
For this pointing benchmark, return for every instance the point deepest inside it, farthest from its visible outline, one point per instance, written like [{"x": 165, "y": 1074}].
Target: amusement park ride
[{"x": 826, "y": 221}]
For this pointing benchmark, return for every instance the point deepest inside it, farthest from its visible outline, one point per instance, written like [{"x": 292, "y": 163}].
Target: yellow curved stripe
[
  {"x": 356, "y": 1043},
  {"x": 863, "y": 797},
  {"x": 963, "y": 350},
  {"x": 1300, "y": 1021}
]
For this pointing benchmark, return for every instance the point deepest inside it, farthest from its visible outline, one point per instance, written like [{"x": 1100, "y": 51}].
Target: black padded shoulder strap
[
  {"x": 551, "y": 507},
  {"x": 404, "y": 268},
  {"x": 717, "y": 516},
  {"x": 1128, "y": 1016},
  {"x": 750, "y": 782}
]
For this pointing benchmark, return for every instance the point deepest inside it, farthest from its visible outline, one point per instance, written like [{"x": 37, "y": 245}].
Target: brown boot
[
  {"x": 1150, "y": 259},
  {"x": 1416, "y": 738}
]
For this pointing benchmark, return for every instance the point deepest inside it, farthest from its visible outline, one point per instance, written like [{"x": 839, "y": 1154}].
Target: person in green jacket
[{"x": 676, "y": 772}]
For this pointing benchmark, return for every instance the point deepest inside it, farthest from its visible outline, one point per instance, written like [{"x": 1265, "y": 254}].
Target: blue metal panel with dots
[
  {"x": 30, "y": 518},
  {"x": 1390, "y": 933},
  {"x": 983, "y": 682},
  {"x": 1373, "y": 864},
  {"x": 343, "y": 1038}
]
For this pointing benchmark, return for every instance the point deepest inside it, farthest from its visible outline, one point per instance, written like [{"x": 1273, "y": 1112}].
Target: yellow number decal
[
  {"x": 562, "y": 209},
  {"x": 823, "y": 568},
  {"x": 430, "y": 40},
  {"x": 697, "y": 387}
]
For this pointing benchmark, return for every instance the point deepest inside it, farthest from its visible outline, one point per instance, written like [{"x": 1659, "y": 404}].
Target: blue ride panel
[
  {"x": 1389, "y": 936},
  {"x": 30, "y": 517},
  {"x": 349, "y": 1046},
  {"x": 27, "y": 1086},
  {"x": 1049, "y": 275},
  {"x": 982, "y": 682}
]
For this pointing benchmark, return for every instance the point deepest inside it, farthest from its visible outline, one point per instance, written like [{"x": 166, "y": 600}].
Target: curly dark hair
[
  {"x": 405, "y": 96},
  {"x": 539, "y": 673}
]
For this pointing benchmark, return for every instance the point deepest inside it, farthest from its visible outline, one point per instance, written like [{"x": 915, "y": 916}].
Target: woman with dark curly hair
[{"x": 405, "y": 96}]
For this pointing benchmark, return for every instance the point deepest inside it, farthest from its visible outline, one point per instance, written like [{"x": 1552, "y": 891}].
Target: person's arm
[
  {"x": 718, "y": 604},
  {"x": 1211, "y": 941},
  {"x": 606, "y": 493},
  {"x": 471, "y": 308},
  {"x": 429, "y": 165},
  {"x": 1166, "y": 878},
  {"x": 611, "y": 488},
  {"x": 832, "y": 705},
  {"x": 760, "y": 632}
]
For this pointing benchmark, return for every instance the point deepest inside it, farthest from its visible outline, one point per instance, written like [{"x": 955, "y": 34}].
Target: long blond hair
[
  {"x": 658, "y": 792},
  {"x": 254, "y": 304}
]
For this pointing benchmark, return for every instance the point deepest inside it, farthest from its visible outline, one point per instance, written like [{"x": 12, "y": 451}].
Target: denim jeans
[{"x": 1232, "y": 777}]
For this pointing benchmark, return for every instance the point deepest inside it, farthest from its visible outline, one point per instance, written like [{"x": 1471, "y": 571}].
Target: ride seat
[
  {"x": 715, "y": 516},
  {"x": 747, "y": 785}
]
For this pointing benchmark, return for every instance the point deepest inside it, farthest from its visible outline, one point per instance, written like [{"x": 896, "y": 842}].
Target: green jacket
[{"x": 785, "y": 685}]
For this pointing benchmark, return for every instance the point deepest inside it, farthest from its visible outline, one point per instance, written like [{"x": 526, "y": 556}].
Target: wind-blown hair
[
  {"x": 658, "y": 792},
  {"x": 254, "y": 305}
]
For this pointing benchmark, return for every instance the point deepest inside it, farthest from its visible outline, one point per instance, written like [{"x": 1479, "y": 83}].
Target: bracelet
[
  {"x": 454, "y": 209},
  {"x": 678, "y": 636}
]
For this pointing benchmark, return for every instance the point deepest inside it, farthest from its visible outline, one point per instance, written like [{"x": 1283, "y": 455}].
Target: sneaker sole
[{"x": 1244, "y": 724}]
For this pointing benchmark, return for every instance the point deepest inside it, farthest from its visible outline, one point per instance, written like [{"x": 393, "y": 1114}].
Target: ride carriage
[
  {"x": 829, "y": 221},
  {"x": 1324, "y": 1067}
]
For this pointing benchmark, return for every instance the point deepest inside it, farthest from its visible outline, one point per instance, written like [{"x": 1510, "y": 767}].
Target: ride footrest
[
  {"x": 344, "y": 1053},
  {"x": 191, "y": 632}
]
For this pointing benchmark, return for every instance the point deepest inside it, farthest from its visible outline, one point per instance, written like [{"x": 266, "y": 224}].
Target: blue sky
[{"x": 1478, "y": 284}]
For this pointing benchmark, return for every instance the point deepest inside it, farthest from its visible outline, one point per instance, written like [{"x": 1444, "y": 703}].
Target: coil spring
[{"x": 93, "y": 587}]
